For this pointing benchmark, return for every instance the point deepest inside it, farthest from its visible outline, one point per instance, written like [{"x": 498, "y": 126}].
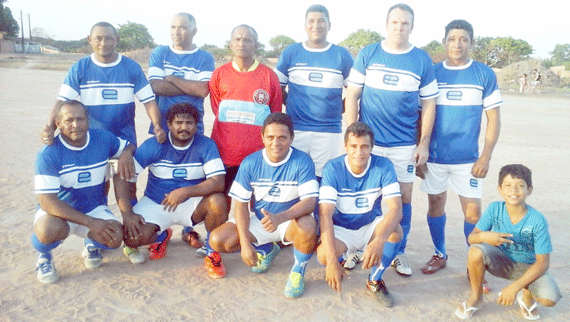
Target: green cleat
[
  {"x": 264, "y": 262},
  {"x": 295, "y": 286}
]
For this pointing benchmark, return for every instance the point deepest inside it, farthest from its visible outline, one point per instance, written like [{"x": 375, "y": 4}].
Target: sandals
[
  {"x": 527, "y": 314},
  {"x": 467, "y": 311}
]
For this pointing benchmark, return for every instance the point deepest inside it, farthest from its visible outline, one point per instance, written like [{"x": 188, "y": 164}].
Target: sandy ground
[{"x": 534, "y": 132}]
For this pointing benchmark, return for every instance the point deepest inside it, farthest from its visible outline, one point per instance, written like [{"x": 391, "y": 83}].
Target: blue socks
[
  {"x": 406, "y": 224},
  {"x": 209, "y": 249},
  {"x": 44, "y": 248},
  {"x": 301, "y": 261},
  {"x": 388, "y": 255},
  {"x": 437, "y": 231},
  {"x": 467, "y": 229}
]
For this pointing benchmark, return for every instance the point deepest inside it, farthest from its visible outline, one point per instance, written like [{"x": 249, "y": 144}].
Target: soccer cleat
[
  {"x": 295, "y": 286},
  {"x": 435, "y": 264},
  {"x": 47, "y": 273},
  {"x": 214, "y": 265},
  {"x": 93, "y": 257},
  {"x": 352, "y": 259},
  {"x": 158, "y": 250},
  {"x": 202, "y": 251},
  {"x": 401, "y": 265},
  {"x": 379, "y": 290},
  {"x": 134, "y": 255},
  {"x": 191, "y": 237},
  {"x": 264, "y": 262}
]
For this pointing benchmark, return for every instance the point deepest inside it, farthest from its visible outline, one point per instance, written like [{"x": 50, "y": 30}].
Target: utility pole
[
  {"x": 22, "y": 20},
  {"x": 30, "y": 27}
]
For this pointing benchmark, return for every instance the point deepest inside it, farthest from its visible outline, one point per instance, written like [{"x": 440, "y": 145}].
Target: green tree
[
  {"x": 7, "y": 22},
  {"x": 134, "y": 36},
  {"x": 501, "y": 51},
  {"x": 360, "y": 39},
  {"x": 279, "y": 43},
  {"x": 560, "y": 55},
  {"x": 217, "y": 52},
  {"x": 435, "y": 50}
]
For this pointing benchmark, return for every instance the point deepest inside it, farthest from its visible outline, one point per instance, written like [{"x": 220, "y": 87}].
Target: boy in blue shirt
[{"x": 511, "y": 241}]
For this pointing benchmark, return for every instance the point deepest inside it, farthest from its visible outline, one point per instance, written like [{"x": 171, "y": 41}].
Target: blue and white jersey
[
  {"x": 316, "y": 78},
  {"x": 530, "y": 234},
  {"x": 464, "y": 93},
  {"x": 392, "y": 83},
  {"x": 77, "y": 174},
  {"x": 275, "y": 187},
  {"x": 194, "y": 65},
  {"x": 357, "y": 196},
  {"x": 108, "y": 91},
  {"x": 172, "y": 167}
]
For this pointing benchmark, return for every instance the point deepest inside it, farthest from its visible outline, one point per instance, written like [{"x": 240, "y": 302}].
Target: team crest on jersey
[
  {"x": 178, "y": 74},
  {"x": 391, "y": 79},
  {"x": 454, "y": 95},
  {"x": 316, "y": 77},
  {"x": 274, "y": 192},
  {"x": 410, "y": 168},
  {"x": 261, "y": 97},
  {"x": 110, "y": 94},
  {"x": 179, "y": 173},
  {"x": 361, "y": 202},
  {"x": 84, "y": 177}
]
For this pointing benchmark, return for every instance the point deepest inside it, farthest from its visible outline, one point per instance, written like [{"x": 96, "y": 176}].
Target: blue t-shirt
[
  {"x": 172, "y": 167},
  {"x": 530, "y": 235},
  {"x": 357, "y": 197},
  {"x": 77, "y": 174},
  {"x": 392, "y": 83},
  {"x": 194, "y": 65},
  {"x": 275, "y": 187},
  {"x": 108, "y": 91},
  {"x": 464, "y": 93},
  {"x": 316, "y": 78}
]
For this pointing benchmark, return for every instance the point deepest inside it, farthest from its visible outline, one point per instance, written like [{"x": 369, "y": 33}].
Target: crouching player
[
  {"x": 351, "y": 218},
  {"x": 511, "y": 241},
  {"x": 280, "y": 183},
  {"x": 70, "y": 184},
  {"x": 186, "y": 177}
]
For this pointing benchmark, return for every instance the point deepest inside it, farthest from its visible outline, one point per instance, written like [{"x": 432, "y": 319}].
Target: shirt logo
[
  {"x": 454, "y": 95},
  {"x": 274, "y": 192},
  {"x": 410, "y": 168},
  {"x": 391, "y": 79},
  {"x": 179, "y": 173},
  {"x": 84, "y": 177},
  {"x": 316, "y": 77},
  {"x": 473, "y": 183},
  {"x": 178, "y": 74},
  {"x": 261, "y": 97},
  {"x": 361, "y": 202},
  {"x": 110, "y": 94}
]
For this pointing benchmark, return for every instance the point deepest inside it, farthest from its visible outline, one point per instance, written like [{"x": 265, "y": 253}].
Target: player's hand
[
  {"x": 126, "y": 166},
  {"x": 249, "y": 255},
  {"x": 480, "y": 168},
  {"x": 159, "y": 133},
  {"x": 47, "y": 135},
  {"x": 496, "y": 239},
  {"x": 106, "y": 231},
  {"x": 270, "y": 221},
  {"x": 373, "y": 254},
  {"x": 507, "y": 296},
  {"x": 422, "y": 153},
  {"x": 173, "y": 199},
  {"x": 132, "y": 226},
  {"x": 421, "y": 171},
  {"x": 334, "y": 273}
]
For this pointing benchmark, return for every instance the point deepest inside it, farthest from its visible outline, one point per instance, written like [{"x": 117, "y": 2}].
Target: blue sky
[{"x": 542, "y": 25}]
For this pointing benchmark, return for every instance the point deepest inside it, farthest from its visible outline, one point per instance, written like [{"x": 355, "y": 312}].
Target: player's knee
[
  {"x": 307, "y": 227},
  {"x": 475, "y": 255},
  {"x": 546, "y": 302},
  {"x": 49, "y": 229},
  {"x": 224, "y": 238}
]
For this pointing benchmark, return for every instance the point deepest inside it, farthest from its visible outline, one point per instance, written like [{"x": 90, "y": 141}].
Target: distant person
[
  {"x": 467, "y": 90},
  {"x": 536, "y": 84},
  {"x": 274, "y": 193},
  {"x": 184, "y": 187},
  {"x": 387, "y": 83},
  {"x": 511, "y": 241},
  {"x": 243, "y": 93},
  {"x": 70, "y": 184},
  {"x": 315, "y": 72},
  {"x": 351, "y": 218},
  {"x": 179, "y": 73},
  {"x": 523, "y": 80}
]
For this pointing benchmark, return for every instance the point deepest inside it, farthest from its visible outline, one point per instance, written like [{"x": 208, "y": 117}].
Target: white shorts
[
  {"x": 356, "y": 239},
  {"x": 321, "y": 146},
  {"x": 403, "y": 159},
  {"x": 112, "y": 169},
  {"x": 263, "y": 236},
  {"x": 101, "y": 212},
  {"x": 154, "y": 213},
  {"x": 456, "y": 176}
]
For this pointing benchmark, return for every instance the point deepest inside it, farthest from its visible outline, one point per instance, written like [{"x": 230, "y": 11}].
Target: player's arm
[
  {"x": 479, "y": 236},
  {"x": 481, "y": 166},
  {"x": 189, "y": 87},
  {"x": 334, "y": 272},
  {"x": 49, "y": 130},
  {"x": 163, "y": 87},
  {"x": 207, "y": 187},
  {"x": 154, "y": 115},
  {"x": 284, "y": 95},
  {"x": 388, "y": 225},
  {"x": 536, "y": 270},
  {"x": 353, "y": 94},
  {"x": 126, "y": 164},
  {"x": 428, "y": 118},
  {"x": 132, "y": 223},
  {"x": 302, "y": 208},
  {"x": 54, "y": 206},
  {"x": 248, "y": 253}
]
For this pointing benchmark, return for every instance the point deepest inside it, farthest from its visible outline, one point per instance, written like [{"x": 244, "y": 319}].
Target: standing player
[
  {"x": 70, "y": 184},
  {"x": 315, "y": 71},
  {"x": 388, "y": 78},
  {"x": 180, "y": 73},
  {"x": 279, "y": 182},
  {"x": 351, "y": 215},
  {"x": 242, "y": 94},
  {"x": 186, "y": 178},
  {"x": 467, "y": 89}
]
